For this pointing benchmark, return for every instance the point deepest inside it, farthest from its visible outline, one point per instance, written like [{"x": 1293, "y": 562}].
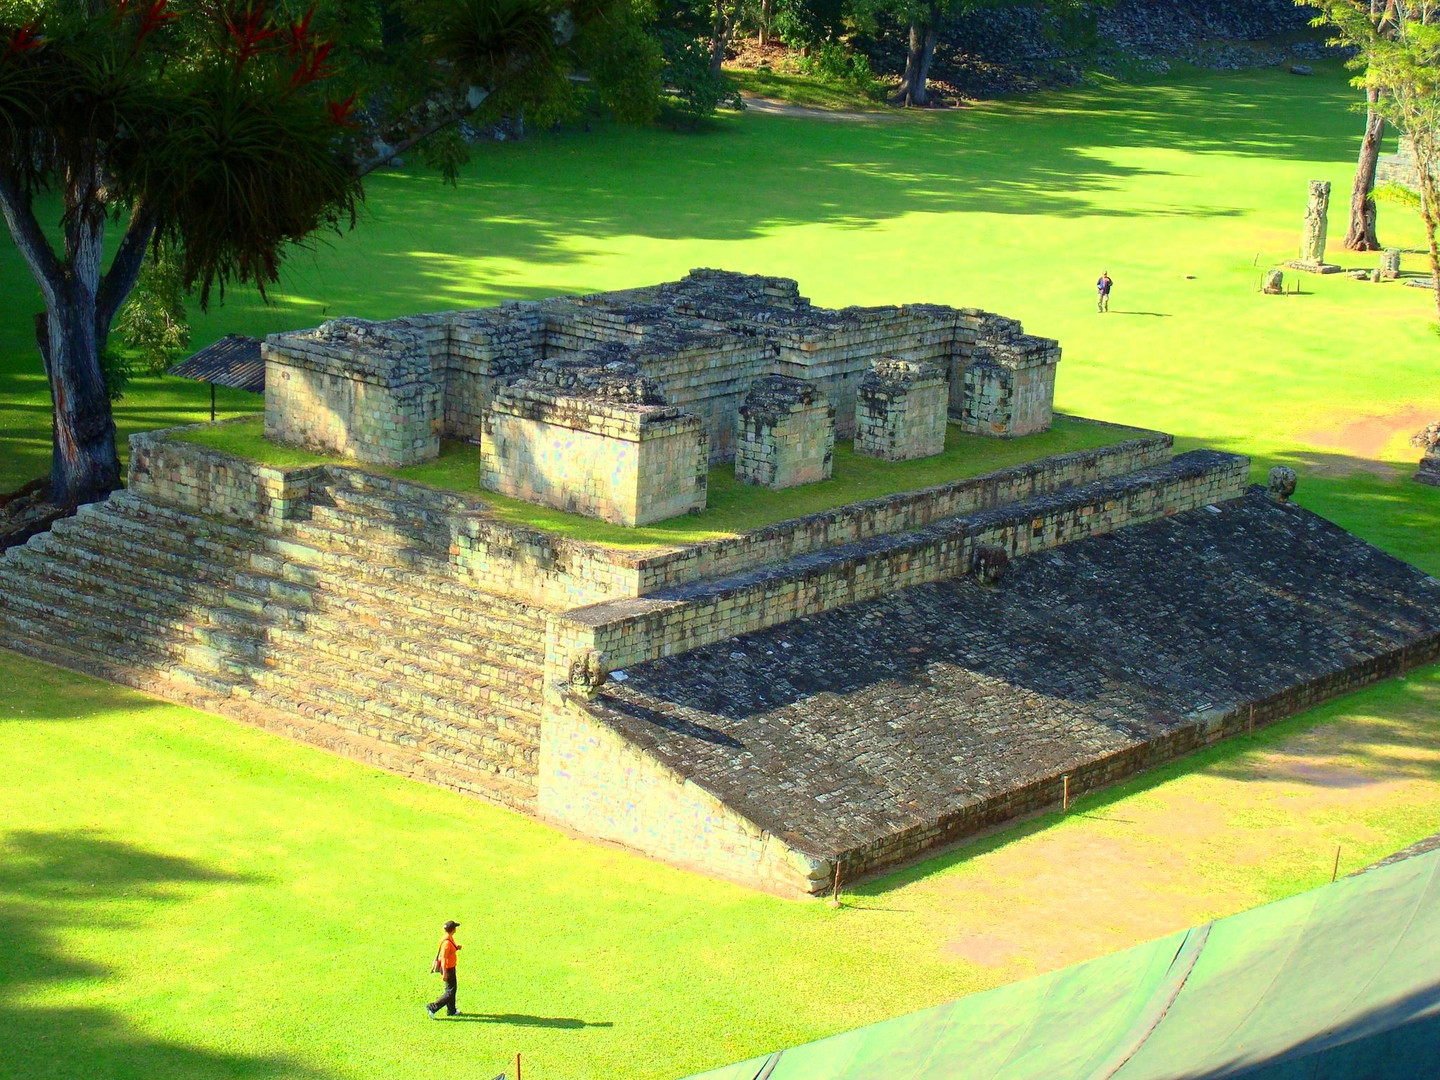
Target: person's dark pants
[{"x": 447, "y": 999}]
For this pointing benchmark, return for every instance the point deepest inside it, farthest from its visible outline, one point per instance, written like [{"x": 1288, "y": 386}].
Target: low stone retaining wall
[{"x": 193, "y": 477}]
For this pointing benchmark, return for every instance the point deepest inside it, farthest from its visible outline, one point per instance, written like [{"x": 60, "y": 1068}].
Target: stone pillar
[
  {"x": 1390, "y": 264},
  {"x": 785, "y": 434},
  {"x": 901, "y": 410},
  {"x": 1312, "y": 241}
]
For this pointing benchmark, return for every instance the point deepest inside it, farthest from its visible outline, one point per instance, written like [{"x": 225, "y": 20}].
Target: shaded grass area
[
  {"x": 192, "y": 898},
  {"x": 733, "y": 507},
  {"x": 805, "y": 90}
]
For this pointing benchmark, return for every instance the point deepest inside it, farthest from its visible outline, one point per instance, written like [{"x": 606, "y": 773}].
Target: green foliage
[
  {"x": 804, "y": 24},
  {"x": 626, "y": 66},
  {"x": 698, "y": 91},
  {"x": 832, "y": 62},
  {"x": 1398, "y": 195},
  {"x": 117, "y": 371},
  {"x": 153, "y": 321}
]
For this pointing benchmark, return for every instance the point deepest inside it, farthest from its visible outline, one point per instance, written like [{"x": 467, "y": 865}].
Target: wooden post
[
  {"x": 1065, "y": 794},
  {"x": 1250, "y": 721},
  {"x": 1334, "y": 870},
  {"x": 835, "y": 890},
  {"x": 517, "y": 1067},
  {"x": 212, "y": 402}
]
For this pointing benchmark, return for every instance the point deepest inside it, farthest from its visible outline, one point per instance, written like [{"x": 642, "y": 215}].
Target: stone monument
[
  {"x": 1429, "y": 441},
  {"x": 1390, "y": 264},
  {"x": 1312, "y": 242},
  {"x": 1274, "y": 283},
  {"x": 901, "y": 411},
  {"x": 1282, "y": 483}
]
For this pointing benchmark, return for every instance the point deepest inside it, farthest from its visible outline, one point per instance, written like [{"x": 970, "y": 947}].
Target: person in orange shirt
[{"x": 445, "y": 965}]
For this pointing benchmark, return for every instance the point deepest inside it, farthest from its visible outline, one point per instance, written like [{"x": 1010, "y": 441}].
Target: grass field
[
  {"x": 732, "y": 507},
  {"x": 184, "y": 897}
]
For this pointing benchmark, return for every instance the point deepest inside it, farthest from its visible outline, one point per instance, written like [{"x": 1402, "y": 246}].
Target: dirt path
[{"x": 770, "y": 107}]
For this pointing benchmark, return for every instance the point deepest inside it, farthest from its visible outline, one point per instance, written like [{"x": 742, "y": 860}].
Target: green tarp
[{"x": 1341, "y": 982}]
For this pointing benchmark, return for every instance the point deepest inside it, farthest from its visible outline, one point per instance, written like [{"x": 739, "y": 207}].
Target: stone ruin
[
  {"x": 1428, "y": 439},
  {"x": 804, "y": 703},
  {"x": 1312, "y": 240},
  {"x": 614, "y": 405}
]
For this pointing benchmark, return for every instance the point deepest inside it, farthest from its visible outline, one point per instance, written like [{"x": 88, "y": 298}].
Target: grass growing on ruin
[
  {"x": 185, "y": 898},
  {"x": 733, "y": 507}
]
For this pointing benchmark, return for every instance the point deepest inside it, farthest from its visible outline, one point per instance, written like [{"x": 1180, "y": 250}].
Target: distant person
[
  {"x": 1102, "y": 288},
  {"x": 445, "y": 965}
]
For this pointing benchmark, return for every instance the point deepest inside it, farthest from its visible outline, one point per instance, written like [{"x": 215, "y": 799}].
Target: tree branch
[
  {"x": 367, "y": 167},
  {"x": 124, "y": 269},
  {"x": 30, "y": 239}
]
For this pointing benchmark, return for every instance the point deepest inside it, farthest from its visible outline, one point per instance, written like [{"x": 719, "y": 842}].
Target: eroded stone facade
[{"x": 386, "y": 392}]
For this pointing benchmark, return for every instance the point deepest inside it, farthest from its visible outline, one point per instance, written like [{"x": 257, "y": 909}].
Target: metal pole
[{"x": 212, "y": 402}]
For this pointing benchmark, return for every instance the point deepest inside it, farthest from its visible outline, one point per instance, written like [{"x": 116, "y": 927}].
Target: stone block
[
  {"x": 594, "y": 441},
  {"x": 902, "y": 411},
  {"x": 785, "y": 434}
]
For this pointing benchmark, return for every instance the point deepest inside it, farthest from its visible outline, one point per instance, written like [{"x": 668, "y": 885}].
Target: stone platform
[{"x": 868, "y": 733}]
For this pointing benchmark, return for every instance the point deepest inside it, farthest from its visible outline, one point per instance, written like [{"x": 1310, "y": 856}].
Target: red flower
[
  {"x": 340, "y": 111},
  {"x": 249, "y": 31},
  {"x": 300, "y": 34},
  {"x": 23, "y": 40},
  {"x": 312, "y": 66},
  {"x": 155, "y": 17}
]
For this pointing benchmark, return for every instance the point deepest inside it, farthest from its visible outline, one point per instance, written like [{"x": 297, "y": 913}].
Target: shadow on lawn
[
  {"x": 526, "y": 1020},
  {"x": 54, "y": 887}
]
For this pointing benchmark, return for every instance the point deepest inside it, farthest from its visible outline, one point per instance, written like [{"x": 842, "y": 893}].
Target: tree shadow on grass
[
  {"x": 58, "y": 882},
  {"x": 526, "y": 1020}
]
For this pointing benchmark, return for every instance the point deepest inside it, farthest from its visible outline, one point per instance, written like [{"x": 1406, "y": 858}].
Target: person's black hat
[{"x": 451, "y": 925}]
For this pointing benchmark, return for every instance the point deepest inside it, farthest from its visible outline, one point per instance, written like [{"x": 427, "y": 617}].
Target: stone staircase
[{"x": 345, "y": 629}]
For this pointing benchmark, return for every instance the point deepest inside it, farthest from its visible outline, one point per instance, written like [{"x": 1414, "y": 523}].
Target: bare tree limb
[
  {"x": 124, "y": 269},
  {"x": 30, "y": 239}
]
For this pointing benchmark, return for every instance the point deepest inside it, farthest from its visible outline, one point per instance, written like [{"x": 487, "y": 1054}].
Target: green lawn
[
  {"x": 733, "y": 507},
  {"x": 804, "y": 90},
  {"x": 183, "y": 897}
]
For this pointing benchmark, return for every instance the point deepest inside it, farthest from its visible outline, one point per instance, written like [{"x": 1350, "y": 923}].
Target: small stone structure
[
  {"x": 901, "y": 412},
  {"x": 364, "y": 390},
  {"x": 1390, "y": 264},
  {"x": 786, "y": 434},
  {"x": 1429, "y": 441},
  {"x": 1312, "y": 242},
  {"x": 1274, "y": 283},
  {"x": 595, "y": 440},
  {"x": 385, "y": 393},
  {"x": 1281, "y": 483}
]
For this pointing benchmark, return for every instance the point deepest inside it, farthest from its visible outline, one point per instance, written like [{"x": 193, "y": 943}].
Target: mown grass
[
  {"x": 732, "y": 507},
  {"x": 183, "y": 897}
]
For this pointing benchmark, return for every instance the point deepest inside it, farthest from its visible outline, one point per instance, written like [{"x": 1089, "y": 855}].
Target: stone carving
[
  {"x": 1281, "y": 485},
  {"x": 1390, "y": 264},
  {"x": 1312, "y": 241},
  {"x": 1274, "y": 283},
  {"x": 588, "y": 672},
  {"x": 1429, "y": 441},
  {"x": 989, "y": 564}
]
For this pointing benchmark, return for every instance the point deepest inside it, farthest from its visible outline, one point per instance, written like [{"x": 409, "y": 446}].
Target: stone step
[
  {"x": 450, "y": 741},
  {"x": 286, "y": 718}
]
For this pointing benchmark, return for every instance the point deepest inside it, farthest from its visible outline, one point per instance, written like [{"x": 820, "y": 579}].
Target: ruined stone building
[{"x": 810, "y": 700}]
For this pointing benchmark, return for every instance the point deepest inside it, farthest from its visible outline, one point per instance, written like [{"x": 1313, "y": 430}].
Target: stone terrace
[{"x": 870, "y": 732}]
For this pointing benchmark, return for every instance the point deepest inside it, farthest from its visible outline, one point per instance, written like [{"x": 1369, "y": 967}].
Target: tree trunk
[
  {"x": 1427, "y": 211},
  {"x": 767, "y": 16},
  {"x": 1360, "y": 236},
  {"x": 912, "y": 89},
  {"x": 80, "y": 305},
  {"x": 727, "y": 17}
]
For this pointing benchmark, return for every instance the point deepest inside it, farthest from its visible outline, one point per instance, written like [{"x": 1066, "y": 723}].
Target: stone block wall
[
  {"x": 366, "y": 391},
  {"x": 482, "y": 349},
  {"x": 196, "y": 478},
  {"x": 593, "y": 780},
  {"x": 586, "y": 451},
  {"x": 902, "y": 411},
  {"x": 786, "y": 434},
  {"x": 677, "y": 620}
]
